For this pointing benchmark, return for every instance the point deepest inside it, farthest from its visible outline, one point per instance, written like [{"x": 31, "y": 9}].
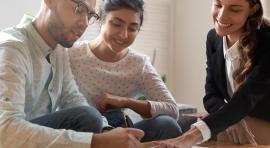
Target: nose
[
  {"x": 83, "y": 22},
  {"x": 222, "y": 14},
  {"x": 124, "y": 33}
]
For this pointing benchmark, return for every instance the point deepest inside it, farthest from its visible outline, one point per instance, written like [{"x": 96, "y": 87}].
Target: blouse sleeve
[{"x": 156, "y": 92}]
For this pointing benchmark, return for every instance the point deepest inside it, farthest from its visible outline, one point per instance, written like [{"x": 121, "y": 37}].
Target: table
[{"x": 212, "y": 144}]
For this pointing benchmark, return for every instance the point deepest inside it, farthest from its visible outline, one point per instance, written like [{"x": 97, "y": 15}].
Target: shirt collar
[
  {"x": 35, "y": 36},
  {"x": 230, "y": 53}
]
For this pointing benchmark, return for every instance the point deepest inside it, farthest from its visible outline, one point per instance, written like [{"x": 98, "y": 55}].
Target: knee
[
  {"x": 168, "y": 125},
  {"x": 89, "y": 116}
]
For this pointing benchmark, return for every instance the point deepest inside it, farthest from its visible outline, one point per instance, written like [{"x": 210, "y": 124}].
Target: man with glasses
[{"x": 40, "y": 105}]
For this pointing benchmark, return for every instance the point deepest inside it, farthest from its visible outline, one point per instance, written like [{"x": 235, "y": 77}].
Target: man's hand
[
  {"x": 118, "y": 137},
  {"x": 109, "y": 101}
]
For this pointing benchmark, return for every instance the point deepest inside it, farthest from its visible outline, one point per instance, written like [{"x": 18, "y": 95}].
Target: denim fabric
[{"x": 81, "y": 119}]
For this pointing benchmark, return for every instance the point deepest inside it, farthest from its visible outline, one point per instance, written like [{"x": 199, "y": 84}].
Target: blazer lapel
[{"x": 220, "y": 68}]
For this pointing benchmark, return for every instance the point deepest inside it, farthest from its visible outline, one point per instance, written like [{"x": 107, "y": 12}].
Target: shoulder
[
  {"x": 212, "y": 36},
  {"x": 12, "y": 37},
  {"x": 213, "y": 42},
  {"x": 264, "y": 35},
  {"x": 137, "y": 56},
  {"x": 14, "y": 41}
]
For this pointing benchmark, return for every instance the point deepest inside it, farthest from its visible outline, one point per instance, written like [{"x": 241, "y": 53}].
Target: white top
[
  {"x": 131, "y": 77},
  {"x": 231, "y": 56}
]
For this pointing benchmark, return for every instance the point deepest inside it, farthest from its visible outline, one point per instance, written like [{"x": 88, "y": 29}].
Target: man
[{"x": 40, "y": 105}]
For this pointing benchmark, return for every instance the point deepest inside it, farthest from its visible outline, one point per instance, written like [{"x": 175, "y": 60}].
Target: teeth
[
  {"x": 223, "y": 25},
  {"x": 119, "y": 42}
]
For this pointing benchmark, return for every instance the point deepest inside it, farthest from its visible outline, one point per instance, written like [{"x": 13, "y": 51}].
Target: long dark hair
[
  {"x": 110, "y": 5},
  {"x": 248, "y": 42}
]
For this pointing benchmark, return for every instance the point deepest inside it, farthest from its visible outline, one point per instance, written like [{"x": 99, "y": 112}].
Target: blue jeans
[
  {"x": 158, "y": 128},
  {"x": 81, "y": 119}
]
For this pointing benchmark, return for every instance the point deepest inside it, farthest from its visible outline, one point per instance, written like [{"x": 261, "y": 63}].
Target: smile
[
  {"x": 223, "y": 25},
  {"x": 120, "y": 42}
]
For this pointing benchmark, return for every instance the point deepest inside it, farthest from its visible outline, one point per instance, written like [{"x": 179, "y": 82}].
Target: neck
[
  {"x": 41, "y": 26},
  {"x": 233, "y": 38},
  {"x": 103, "y": 52}
]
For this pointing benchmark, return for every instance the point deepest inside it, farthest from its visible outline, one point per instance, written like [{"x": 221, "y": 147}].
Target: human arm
[
  {"x": 149, "y": 84},
  {"x": 109, "y": 101},
  {"x": 156, "y": 93}
]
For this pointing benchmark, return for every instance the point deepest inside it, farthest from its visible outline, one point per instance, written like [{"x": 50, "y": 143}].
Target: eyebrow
[
  {"x": 240, "y": 6},
  {"x": 122, "y": 21}
]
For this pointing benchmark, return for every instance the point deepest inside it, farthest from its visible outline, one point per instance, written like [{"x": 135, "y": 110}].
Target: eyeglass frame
[{"x": 90, "y": 14}]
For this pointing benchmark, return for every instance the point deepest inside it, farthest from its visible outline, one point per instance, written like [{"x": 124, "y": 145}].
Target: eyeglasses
[{"x": 83, "y": 11}]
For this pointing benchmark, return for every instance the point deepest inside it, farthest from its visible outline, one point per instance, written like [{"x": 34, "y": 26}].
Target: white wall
[
  {"x": 266, "y": 5},
  {"x": 12, "y": 11},
  {"x": 192, "y": 24}
]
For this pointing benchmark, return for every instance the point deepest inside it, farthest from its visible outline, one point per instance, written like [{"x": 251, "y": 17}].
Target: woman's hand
[
  {"x": 239, "y": 133},
  {"x": 200, "y": 115},
  {"x": 109, "y": 101},
  {"x": 187, "y": 140}
]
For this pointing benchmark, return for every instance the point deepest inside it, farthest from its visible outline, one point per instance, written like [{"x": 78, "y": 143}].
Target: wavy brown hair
[{"x": 248, "y": 42}]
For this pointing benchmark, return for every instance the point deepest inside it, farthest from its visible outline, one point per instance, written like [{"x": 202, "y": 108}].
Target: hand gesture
[
  {"x": 109, "y": 101},
  {"x": 118, "y": 137}
]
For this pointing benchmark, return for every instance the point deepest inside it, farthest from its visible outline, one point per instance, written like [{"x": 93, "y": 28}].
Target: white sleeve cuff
[{"x": 204, "y": 129}]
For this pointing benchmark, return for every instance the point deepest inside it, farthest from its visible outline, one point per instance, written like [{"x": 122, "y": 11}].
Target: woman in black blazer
[{"x": 238, "y": 75}]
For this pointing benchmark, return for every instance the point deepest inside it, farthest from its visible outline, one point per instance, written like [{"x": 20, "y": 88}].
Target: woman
[
  {"x": 238, "y": 77},
  {"x": 111, "y": 75}
]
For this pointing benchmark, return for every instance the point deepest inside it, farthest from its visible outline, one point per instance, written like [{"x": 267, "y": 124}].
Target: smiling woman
[
  {"x": 156, "y": 34},
  {"x": 111, "y": 74},
  {"x": 237, "y": 82}
]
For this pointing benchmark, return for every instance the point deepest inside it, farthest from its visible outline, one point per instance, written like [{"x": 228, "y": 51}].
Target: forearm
[
  {"x": 141, "y": 107},
  {"x": 213, "y": 103}
]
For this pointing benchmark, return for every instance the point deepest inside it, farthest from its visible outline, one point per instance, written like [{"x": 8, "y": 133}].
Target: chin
[
  {"x": 117, "y": 49},
  {"x": 222, "y": 32},
  {"x": 67, "y": 44}
]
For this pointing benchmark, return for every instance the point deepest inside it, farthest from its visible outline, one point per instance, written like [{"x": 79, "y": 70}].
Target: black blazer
[{"x": 253, "y": 96}]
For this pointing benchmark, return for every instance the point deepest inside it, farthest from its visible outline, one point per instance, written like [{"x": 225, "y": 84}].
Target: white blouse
[{"x": 130, "y": 77}]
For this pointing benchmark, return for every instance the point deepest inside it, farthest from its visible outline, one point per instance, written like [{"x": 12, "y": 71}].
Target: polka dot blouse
[{"x": 133, "y": 76}]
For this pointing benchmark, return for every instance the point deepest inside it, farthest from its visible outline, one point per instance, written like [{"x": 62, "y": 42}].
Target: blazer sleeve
[
  {"x": 255, "y": 89},
  {"x": 213, "y": 99}
]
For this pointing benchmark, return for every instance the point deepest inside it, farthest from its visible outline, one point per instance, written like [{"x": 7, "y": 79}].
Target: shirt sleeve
[
  {"x": 156, "y": 92},
  {"x": 15, "y": 131},
  {"x": 204, "y": 129}
]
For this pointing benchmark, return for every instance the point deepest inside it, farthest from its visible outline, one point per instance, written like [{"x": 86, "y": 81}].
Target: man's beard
[{"x": 57, "y": 31}]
